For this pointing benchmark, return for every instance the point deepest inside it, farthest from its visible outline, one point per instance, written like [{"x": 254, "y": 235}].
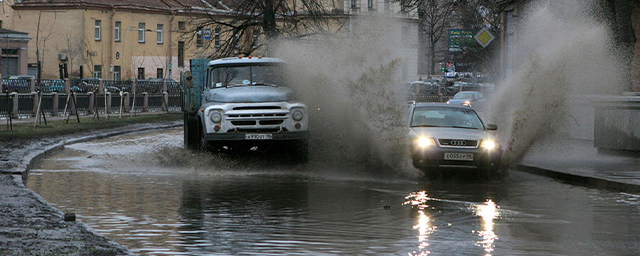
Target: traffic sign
[
  {"x": 484, "y": 37},
  {"x": 207, "y": 33}
]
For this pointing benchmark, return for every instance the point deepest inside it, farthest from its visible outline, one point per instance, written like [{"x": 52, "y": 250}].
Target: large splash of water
[
  {"x": 351, "y": 85},
  {"x": 562, "y": 50}
]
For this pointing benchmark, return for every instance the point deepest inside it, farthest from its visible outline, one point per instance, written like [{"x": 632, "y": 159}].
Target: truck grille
[
  {"x": 237, "y": 123},
  {"x": 271, "y": 122},
  {"x": 257, "y": 115},
  {"x": 256, "y": 107}
]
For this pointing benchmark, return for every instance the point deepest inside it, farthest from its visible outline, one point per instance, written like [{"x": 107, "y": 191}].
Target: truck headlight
[
  {"x": 216, "y": 117},
  {"x": 488, "y": 144},
  {"x": 297, "y": 115}
]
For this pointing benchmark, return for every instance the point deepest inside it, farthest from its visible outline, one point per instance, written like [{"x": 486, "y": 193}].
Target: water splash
[
  {"x": 563, "y": 50},
  {"x": 351, "y": 86}
]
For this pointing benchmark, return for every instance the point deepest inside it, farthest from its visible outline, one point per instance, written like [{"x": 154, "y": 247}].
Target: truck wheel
[
  {"x": 300, "y": 152},
  {"x": 205, "y": 146},
  {"x": 191, "y": 135}
]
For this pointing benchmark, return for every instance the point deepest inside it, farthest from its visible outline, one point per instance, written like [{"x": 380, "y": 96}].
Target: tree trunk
[{"x": 269, "y": 19}]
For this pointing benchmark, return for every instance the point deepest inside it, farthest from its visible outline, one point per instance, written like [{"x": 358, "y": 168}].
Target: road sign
[
  {"x": 207, "y": 33},
  {"x": 459, "y": 39},
  {"x": 484, "y": 37}
]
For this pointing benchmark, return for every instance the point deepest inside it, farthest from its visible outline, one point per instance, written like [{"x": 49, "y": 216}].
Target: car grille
[{"x": 458, "y": 143}]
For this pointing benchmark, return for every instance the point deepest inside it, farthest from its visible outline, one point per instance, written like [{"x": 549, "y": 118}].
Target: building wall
[{"x": 72, "y": 32}]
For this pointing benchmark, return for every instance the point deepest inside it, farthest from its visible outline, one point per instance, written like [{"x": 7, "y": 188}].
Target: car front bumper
[{"x": 433, "y": 157}]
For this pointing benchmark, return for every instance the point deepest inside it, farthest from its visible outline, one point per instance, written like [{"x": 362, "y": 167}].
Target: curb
[
  {"x": 585, "y": 181},
  {"x": 23, "y": 168}
]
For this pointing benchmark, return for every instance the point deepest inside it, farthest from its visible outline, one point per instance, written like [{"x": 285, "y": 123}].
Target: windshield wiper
[
  {"x": 464, "y": 127},
  {"x": 425, "y": 125},
  {"x": 268, "y": 84}
]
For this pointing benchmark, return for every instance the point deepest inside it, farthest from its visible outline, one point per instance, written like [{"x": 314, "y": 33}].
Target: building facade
[
  {"x": 14, "y": 49},
  {"x": 140, "y": 39}
]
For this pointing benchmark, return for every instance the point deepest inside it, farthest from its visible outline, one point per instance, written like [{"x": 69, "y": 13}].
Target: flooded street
[{"x": 147, "y": 193}]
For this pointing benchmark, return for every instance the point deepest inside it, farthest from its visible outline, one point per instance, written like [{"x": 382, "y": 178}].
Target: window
[
  {"x": 180, "y": 54},
  {"x": 116, "y": 73},
  {"x": 160, "y": 73},
  {"x": 140, "y": 32},
  {"x": 98, "y": 32},
  {"x": 140, "y": 73},
  {"x": 370, "y": 4},
  {"x": 117, "y": 32},
  {"x": 97, "y": 71},
  {"x": 181, "y": 25},
  {"x": 216, "y": 37},
  {"x": 199, "y": 37},
  {"x": 353, "y": 4},
  {"x": 159, "y": 30}
]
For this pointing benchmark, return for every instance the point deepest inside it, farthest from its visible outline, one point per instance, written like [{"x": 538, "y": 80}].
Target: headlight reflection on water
[
  {"x": 488, "y": 212},
  {"x": 419, "y": 200}
]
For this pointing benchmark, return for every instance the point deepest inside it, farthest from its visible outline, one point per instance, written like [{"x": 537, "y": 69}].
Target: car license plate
[
  {"x": 266, "y": 136},
  {"x": 458, "y": 156}
]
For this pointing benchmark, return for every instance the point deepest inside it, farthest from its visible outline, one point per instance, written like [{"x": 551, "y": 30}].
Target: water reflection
[
  {"x": 488, "y": 212},
  {"x": 419, "y": 200}
]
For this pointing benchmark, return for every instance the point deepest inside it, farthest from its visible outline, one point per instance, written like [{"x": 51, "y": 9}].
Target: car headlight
[
  {"x": 489, "y": 144},
  {"x": 216, "y": 117},
  {"x": 297, "y": 115},
  {"x": 424, "y": 142}
]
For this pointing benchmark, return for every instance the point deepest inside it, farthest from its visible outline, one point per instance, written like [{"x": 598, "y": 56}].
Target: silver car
[
  {"x": 448, "y": 137},
  {"x": 469, "y": 98}
]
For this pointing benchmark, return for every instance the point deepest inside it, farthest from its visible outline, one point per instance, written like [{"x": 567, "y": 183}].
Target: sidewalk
[
  {"x": 31, "y": 226},
  {"x": 578, "y": 162}
]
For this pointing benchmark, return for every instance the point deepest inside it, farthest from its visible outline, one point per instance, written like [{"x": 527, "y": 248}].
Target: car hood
[
  {"x": 249, "y": 94},
  {"x": 450, "y": 133}
]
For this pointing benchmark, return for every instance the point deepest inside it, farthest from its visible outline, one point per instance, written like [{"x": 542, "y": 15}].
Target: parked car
[
  {"x": 451, "y": 137},
  {"x": 468, "y": 98},
  {"x": 17, "y": 83}
]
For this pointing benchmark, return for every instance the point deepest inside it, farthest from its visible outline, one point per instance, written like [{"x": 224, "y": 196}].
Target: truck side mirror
[
  {"x": 492, "y": 127},
  {"x": 187, "y": 79}
]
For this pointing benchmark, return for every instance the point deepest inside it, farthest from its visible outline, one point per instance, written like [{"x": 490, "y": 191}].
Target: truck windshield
[{"x": 246, "y": 75}]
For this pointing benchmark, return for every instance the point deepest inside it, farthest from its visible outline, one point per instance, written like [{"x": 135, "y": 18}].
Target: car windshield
[
  {"x": 246, "y": 75},
  {"x": 463, "y": 96},
  {"x": 446, "y": 117}
]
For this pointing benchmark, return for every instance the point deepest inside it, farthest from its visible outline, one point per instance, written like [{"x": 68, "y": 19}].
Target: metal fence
[
  {"x": 6, "y": 105},
  {"x": 20, "y": 98}
]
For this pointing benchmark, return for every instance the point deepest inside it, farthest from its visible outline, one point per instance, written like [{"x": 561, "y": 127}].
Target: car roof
[{"x": 440, "y": 105}]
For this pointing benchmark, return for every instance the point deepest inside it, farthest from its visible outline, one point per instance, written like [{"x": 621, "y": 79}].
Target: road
[{"x": 146, "y": 193}]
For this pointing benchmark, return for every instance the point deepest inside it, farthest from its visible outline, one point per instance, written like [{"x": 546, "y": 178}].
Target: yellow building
[
  {"x": 125, "y": 39},
  {"x": 103, "y": 39}
]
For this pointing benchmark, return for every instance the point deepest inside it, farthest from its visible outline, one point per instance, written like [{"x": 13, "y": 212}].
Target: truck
[{"x": 243, "y": 104}]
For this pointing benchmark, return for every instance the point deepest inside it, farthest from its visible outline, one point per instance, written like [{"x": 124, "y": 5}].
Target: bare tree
[
  {"x": 477, "y": 15},
  {"x": 433, "y": 16},
  {"x": 73, "y": 47},
  {"x": 43, "y": 33},
  {"x": 248, "y": 25}
]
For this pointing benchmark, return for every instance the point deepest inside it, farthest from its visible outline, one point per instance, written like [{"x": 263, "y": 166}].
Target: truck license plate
[
  {"x": 458, "y": 156},
  {"x": 266, "y": 136}
]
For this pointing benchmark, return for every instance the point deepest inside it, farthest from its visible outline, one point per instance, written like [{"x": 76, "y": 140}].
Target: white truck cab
[{"x": 244, "y": 104}]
